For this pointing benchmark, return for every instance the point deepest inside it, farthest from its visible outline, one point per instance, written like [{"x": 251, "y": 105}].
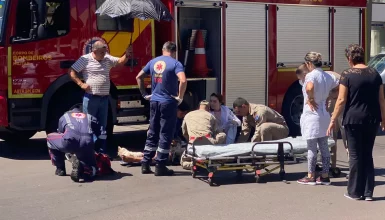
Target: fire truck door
[{"x": 36, "y": 62}]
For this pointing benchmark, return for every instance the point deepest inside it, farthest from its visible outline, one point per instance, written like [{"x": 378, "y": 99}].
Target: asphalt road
[{"x": 30, "y": 190}]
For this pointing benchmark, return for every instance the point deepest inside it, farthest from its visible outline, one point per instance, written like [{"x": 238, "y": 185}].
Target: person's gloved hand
[
  {"x": 180, "y": 100},
  {"x": 147, "y": 97}
]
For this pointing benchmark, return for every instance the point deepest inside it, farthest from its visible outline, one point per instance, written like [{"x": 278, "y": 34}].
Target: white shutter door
[
  {"x": 245, "y": 52},
  {"x": 346, "y": 31},
  {"x": 302, "y": 29}
]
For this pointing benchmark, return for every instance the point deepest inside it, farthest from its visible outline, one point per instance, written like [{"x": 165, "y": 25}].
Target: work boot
[
  {"x": 146, "y": 168},
  {"x": 162, "y": 170},
  {"x": 60, "y": 172},
  {"x": 77, "y": 169}
]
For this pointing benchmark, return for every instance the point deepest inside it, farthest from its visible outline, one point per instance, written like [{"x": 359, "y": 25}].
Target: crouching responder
[
  {"x": 200, "y": 123},
  {"x": 75, "y": 136},
  {"x": 269, "y": 124},
  {"x": 200, "y": 127}
]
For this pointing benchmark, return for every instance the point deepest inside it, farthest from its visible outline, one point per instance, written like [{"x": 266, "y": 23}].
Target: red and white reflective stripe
[
  {"x": 200, "y": 138},
  {"x": 200, "y": 51}
]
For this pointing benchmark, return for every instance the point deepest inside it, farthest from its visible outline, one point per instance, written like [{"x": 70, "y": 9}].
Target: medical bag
[{"x": 104, "y": 164}]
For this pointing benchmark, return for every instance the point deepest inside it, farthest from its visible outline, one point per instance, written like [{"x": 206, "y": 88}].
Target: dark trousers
[
  {"x": 161, "y": 132},
  {"x": 361, "y": 139},
  {"x": 59, "y": 144}
]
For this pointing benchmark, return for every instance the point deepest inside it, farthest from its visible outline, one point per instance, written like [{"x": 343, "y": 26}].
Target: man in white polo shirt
[{"x": 95, "y": 68}]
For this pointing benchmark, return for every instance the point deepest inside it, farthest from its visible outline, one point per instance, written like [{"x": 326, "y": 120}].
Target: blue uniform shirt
[
  {"x": 81, "y": 124},
  {"x": 163, "y": 70}
]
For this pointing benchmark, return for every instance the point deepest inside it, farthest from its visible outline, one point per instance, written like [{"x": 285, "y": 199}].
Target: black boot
[
  {"x": 146, "y": 168},
  {"x": 77, "y": 169},
  {"x": 162, "y": 170},
  {"x": 60, "y": 171}
]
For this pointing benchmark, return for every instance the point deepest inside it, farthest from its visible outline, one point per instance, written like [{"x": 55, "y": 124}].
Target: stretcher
[{"x": 252, "y": 157}]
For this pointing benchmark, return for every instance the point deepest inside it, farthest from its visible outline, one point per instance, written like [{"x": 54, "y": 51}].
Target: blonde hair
[{"x": 315, "y": 58}]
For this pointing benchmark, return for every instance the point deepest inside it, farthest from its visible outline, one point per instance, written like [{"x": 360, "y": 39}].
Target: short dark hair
[
  {"x": 356, "y": 53},
  {"x": 169, "y": 46},
  {"x": 183, "y": 107},
  {"x": 239, "y": 102},
  {"x": 301, "y": 69}
]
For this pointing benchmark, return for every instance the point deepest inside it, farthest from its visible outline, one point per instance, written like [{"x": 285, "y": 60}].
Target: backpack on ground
[{"x": 104, "y": 164}]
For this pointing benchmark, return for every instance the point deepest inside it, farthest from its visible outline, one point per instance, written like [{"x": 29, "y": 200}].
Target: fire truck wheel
[
  {"x": 64, "y": 99},
  {"x": 292, "y": 108},
  {"x": 10, "y": 135}
]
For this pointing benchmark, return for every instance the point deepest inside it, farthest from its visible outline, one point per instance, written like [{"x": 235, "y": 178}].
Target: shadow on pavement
[
  {"x": 36, "y": 149},
  {"x": 230, "y": 178},
  {"x": 181, "y": 173},
  {"x": 115, "y": 176}
]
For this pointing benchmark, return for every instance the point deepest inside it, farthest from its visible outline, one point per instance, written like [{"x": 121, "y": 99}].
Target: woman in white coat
[
  {"x": 226, "y": 119},
  {"x": 315, "y": 118}
]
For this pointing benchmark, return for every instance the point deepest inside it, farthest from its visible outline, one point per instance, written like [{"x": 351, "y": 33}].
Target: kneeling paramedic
[
  {"x": 269, "y": 125},
  {"x": 75, "y": 136},
  {"x": 201, "y": 128},
  {"x": 200, "y": 123}
]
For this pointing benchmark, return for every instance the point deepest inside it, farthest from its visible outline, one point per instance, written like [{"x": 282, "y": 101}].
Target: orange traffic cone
[{"x": 200, "y": 65}]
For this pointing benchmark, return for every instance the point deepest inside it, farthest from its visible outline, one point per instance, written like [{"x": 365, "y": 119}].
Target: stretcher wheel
[{"x": 335, "y": 172}]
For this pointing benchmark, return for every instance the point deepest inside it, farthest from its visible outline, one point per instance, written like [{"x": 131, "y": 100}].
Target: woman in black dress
[{"x": 362, "y": 93}]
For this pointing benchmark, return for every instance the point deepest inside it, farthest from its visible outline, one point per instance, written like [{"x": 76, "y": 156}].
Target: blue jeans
[
  {"x": 161, "y": 132},
  {"x": 97, "y": 106}
]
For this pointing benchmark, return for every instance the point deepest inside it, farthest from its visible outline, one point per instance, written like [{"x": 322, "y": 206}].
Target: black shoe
[
  {"x": 77, "y": 169},
  {"x": 60, "y": 172},
  {"x": 146, "y": 168},
  {"x": 162, "y": 170}
]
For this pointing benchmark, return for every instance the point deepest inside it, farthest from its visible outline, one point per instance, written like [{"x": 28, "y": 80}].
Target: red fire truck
[{"x": 252, "y": 49}]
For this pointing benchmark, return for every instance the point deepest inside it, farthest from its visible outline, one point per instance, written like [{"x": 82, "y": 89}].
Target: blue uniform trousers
[
  {"x": 68, "y": 142},
  {"x": 162, "y": 126}
]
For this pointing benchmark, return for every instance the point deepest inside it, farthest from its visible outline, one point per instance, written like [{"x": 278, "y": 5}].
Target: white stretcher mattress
[{"x": 243, "y": 149}]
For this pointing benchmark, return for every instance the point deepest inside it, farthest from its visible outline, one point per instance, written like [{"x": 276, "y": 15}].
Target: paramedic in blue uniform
[
  {"x": 165, "y": 72},
  {"x": 75, "y": 136}
]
